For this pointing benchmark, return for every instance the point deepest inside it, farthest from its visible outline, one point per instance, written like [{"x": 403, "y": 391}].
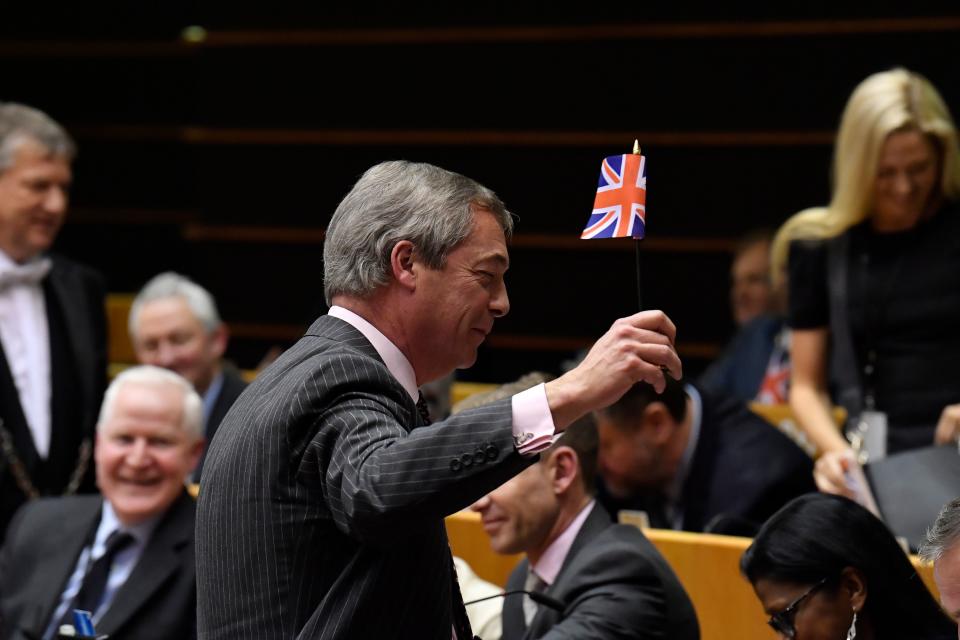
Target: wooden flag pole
[{"x": 636, "y": 245}]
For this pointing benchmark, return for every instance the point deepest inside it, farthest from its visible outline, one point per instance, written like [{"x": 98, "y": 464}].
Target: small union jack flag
[{"x": 619, "y": 210}]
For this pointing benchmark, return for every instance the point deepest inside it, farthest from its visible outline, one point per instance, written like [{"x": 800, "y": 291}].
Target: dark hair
[
  {"x": 817, "y": 535},
  {"x": 751, "y": 239},
  {"x": 581, "y": 436},
  {"x": 635, "y": 401}
]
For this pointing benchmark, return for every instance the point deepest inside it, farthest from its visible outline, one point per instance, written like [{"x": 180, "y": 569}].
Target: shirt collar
[
  {"x": 396, "y": 362},
  {"x": 109, "y": 522},
  {"x": 675, "y": 488},
  {"x": 7, "y": 263},
  {"x": 550, "y": 563}
]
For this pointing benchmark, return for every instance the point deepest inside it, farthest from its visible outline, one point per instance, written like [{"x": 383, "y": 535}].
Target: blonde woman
[{"x": 874, "y": 278}]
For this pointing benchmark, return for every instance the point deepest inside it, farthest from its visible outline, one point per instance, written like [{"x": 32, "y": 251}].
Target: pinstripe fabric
[{"x": 321, "y": 512}]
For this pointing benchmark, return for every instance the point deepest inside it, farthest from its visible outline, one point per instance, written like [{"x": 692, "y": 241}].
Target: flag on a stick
[{"x": 619, "y": 210}]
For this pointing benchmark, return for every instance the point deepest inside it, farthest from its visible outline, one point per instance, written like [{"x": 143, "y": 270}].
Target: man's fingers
[
  {"x": 663, "y": 357},
  {"x": 654, "y": 321}
]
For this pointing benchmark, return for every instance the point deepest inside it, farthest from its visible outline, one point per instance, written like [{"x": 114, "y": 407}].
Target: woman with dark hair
[{"x": 825, "y": 568}]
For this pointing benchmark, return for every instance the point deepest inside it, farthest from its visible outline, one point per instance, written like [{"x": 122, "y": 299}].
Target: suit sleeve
[{"x": 381, "y": 477}]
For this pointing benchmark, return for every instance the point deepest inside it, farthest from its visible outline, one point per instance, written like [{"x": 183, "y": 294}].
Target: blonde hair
[{"x": 884, "y": 103}]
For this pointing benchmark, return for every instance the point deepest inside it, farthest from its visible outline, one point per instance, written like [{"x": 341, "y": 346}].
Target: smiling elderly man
[
  {"x": 127, "y": 557},
  {"x": 174, "y": 324}
]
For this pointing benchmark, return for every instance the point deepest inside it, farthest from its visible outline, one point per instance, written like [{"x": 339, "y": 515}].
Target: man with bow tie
[{"x": 52, "y": 321}]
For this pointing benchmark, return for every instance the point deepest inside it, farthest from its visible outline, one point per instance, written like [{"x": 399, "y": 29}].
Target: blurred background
[{"x": 217, "y": 140}]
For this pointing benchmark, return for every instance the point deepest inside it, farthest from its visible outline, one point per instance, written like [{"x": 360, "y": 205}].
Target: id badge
[{"x": 873, "y": 429}]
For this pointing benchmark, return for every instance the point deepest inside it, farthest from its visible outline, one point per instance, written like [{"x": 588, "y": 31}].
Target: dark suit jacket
[
  {"x": 743, "y": 470},
  {"x": 613, "y": 584},
  {"x": 321, "y": 514},
  {"x": 157, "y": 602},
  {"x": 233, "y": 386},
  {"x": 76, "y": 316}
]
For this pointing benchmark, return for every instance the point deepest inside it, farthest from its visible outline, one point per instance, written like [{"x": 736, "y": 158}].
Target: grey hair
[
  {"x": 944, "y": 533},
  {"x": 148, "y": 375},
  {"x": 20, "y": 123},
  {"x": 398, "y": 200},
  {"x": 173, "y": 285}
]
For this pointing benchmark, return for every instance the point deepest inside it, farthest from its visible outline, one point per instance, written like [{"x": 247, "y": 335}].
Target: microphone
[{"x": 536, "y": 596}]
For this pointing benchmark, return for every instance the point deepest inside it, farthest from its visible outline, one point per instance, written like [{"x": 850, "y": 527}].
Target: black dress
[{"x": 903, "y": 307}]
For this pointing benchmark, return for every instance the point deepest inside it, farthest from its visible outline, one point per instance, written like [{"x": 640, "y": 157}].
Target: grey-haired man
[
  {"x": 325, "y": 489},
  {"x": 52, "y": 320}
]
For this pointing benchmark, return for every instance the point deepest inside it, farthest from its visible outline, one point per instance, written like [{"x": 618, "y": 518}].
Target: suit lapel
[
  {"x": 696, "y": 491},
  {"x": 160, "y": 559},
  {"x": 514, "y": 626},
  {"x": 64, "y": 545},
  {"x": 333, "y": 328},
  {"x": 16, "y": 421},
  {"x": 67, "y": 290},
  {"x": 594, "y": 525}
]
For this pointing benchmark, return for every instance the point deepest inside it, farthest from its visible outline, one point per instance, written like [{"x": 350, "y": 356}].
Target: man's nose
[
  {"x": 500, "y": 302},
  {"x": 55, "y": 200},
  {"x": 481, "y": 504},
  {"x": 139, "y": 454},
  {"x": 166, "y": 355}
]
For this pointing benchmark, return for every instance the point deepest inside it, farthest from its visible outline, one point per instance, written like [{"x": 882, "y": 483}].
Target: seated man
[
  {"x": 126, "y": 557},
  {"x": 696, "y": 463},
  {"x": 608, "y": 581},
  {"x": 755, "y": 365},
  {"x": 174, "y": 324},
  {"x": 942, "y": 548}
]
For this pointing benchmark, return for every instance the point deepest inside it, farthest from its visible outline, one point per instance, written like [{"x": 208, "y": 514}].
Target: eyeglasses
[{"x": 782, "y": 621}]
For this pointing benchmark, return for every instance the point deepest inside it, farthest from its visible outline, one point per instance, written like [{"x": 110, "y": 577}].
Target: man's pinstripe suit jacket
[{"x": 322, "y": 504}]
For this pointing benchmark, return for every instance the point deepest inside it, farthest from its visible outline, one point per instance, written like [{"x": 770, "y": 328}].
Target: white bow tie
[{"x": 31, "y": 273}]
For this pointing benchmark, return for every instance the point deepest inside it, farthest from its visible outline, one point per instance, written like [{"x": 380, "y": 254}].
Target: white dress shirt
[{"x": 25, "y": 337}]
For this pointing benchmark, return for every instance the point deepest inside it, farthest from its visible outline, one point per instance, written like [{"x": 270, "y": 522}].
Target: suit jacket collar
[
  {"x": 595, "y": 524},
  {"x": 65, "y": 544},
  {"x": 696, "y": 491},
  {"x": 337, "y": 330},
  {"x": 160, "y": 559},
  {"x": 68, "y": 290},
  {"x": 343, "y": 332}
]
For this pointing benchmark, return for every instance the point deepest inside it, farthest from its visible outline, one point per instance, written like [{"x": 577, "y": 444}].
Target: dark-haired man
[
  {"x": 696, "y": 463},
  {"x": 607, "y": 579}
]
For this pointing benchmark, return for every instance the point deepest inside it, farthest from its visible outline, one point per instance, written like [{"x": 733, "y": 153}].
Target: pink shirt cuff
[{"x": 533, "y": 428}]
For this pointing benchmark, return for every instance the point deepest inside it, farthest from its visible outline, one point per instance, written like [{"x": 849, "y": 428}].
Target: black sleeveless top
[{"x": 903, "y": 308}]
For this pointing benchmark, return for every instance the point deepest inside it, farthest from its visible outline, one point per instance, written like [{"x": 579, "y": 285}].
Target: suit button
[
  {"x": 466, "y": 460},
  {"x": 455, "y": 465},
  {"x": 492, "y": 452},
  {"x": 479, "y": 457}
]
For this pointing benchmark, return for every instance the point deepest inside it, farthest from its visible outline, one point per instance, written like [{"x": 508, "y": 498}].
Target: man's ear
[
  {"x": 402, "y": 264},
  {"x": 564, "y": 469},
  {"x": 657, "y": 422},
  {"x": 218, "y": 340}
]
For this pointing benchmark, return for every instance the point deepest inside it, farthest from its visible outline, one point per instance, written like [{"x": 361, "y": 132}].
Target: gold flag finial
[{"x": 636, "y": 147}]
